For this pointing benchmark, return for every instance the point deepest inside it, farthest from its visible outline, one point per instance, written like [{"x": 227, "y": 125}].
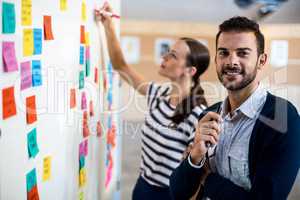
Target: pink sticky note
[
  {"x": 83, "y": 101},
  {"x": 81, "y": 149},
  {"x": 9, "y": 57},
  {"x": 85, "y": 147},
  {"x": 87, "y": 53},
  {"x": 26, "y": 76}
]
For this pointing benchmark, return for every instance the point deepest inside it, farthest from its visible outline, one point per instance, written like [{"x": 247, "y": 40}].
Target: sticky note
[
  {"x": 37, "y": 41},
  {"x": 8, "y": 103},
  {"x": 26, "y": 13},
  {"x": 99, "y": 129},
  {"x": 81, "y": 79},
  {"x": 72, "y": 98},
  {"x": 91, "y": 108},
  {"x": 8, "y": 17},
  {"x": 82, "y": 34},
  {"x": 81, "y": 162},
  {"x": 87, "y": 68},
  {"x": 83, "y": 101},
  {"x": 87, "y": 53},
  {"x": 33, "y": 194},
  {"x": 82, "y": 177},
  {"x": 47, "y": 168},
  {"x": 86, "y": 130},
  {"x": 81, "y": 196},
  {"x": 85, "y": 147},
  {"x": 96, "y": 79},
  {"x": 87, "y": 38},
  {"x": 30, "y": 110},
  {"x": 33, "y": 148},
  {"x": 63, "y": 5},
  {"x": 28, "y": 42},
  {"x": 26, "y": 76},
  {"x": 48, "y": 35},
  {"x": 36, "y": 73},
  {"x": 81, "y": 149},
  {"x": 83, "y": 11},
  {"x": 31, "y": 180},
  {"x": 9, "y": 57},
  {"x": 81, "y": 56}
]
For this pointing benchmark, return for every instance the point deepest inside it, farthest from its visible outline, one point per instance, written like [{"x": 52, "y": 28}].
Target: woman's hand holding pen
[
  {"x": 103, "y": 14},
  {"x": 207, "y": 131}
]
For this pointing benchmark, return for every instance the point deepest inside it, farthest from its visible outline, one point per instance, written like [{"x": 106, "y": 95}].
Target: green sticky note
[
  {"x": 87, "y": 68},
  {"x": 31, "y": 180},
  {"x": 8, "y": 17},
  {"x": 33, "y": 149},
  {"x": 81, "y": 79}
]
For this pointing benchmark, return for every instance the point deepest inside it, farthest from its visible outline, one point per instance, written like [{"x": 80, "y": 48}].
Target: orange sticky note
[
  {"x": 82, "y": 35},
  {"x": 99, "y": 129},
  {"x": 73, "y": 98},
  {"x": 91, "y": 108},
  {"x": 30, "y": 110},
  {"x": 8, "y": 102},
  {"x": 86, "y": 131},
  {"x": 33, "y": 194},
  {"x": 48, "y": 35}
]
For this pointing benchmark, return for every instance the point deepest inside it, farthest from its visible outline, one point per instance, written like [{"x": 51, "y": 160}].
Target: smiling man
[{"x": 254, "y": 151}]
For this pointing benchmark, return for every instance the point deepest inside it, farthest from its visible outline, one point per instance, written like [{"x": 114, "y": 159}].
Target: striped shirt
[{"x": 163, "y": 147}]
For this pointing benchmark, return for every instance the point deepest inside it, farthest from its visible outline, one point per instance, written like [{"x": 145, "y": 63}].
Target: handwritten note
[
  {"x": 8, "y": 103},
  {"x": 31, "y": 179},
  {"x": 26, "y": 76},
  {"x": 37, "y": 40},
  {"x": 47, "y": 168},
  {"x": 63, "y": 5},
  {"x": 33, "y": 148},
  {"x": 28, "y": 47},
  {"x": 36, "y": 73},
  {"x": 81, "y": 162},
  {"x": 26, "y": 13},
  {"x": 30, "y": 110},
  {"x": 87, "y": 38},
  {"x": 82, "y": 177},
  {"x": 81, "y": 79},
  {"x": 48, "y": 34},
  {"x": 87, "y": 68},
  {"x": 9, "y": 57},
  {"x": 72, "y": 98},
  {"x": 8, "y": 17},
  {"x": 81, "y": 196}
]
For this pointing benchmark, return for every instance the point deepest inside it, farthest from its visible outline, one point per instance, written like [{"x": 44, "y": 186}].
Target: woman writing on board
[{"x": 173, "y": 109}]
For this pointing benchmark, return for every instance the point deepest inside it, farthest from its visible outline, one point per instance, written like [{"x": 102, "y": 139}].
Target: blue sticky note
[
  {"x": 8, "y": 17},
  {"x": 87, "y": 68},
  {"x": 81, "y": 59},
  {"x": 81, "y": 79},
  {"x": 33, "y": 149},
  {"x": 37, "y": 41},
  {"x": 81, "y": 162},
  {"x": 31, "y": 179},
  {"x": 36, "y": 73}
]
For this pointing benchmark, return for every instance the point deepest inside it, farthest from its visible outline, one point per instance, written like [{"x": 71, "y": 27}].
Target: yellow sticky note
[
  {"x": 26, "y": 17},
  {"x": 63, "y": 5},
  {"x": 83, "y": 11},
  {"x": 87, "y": 39},
  {"x": 47, "y": 168},
  {"x": 82, "y": 177},
  {"x": 28, "y": 47}
]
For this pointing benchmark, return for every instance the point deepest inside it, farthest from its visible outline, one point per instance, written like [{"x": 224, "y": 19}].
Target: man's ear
[{"x": 262, "y": 60}]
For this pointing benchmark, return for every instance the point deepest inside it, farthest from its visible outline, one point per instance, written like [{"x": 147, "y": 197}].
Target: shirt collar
[{"x": 251, "y": 106}]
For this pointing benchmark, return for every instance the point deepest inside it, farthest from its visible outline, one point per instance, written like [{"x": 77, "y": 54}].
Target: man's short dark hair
[{"x": 243, "y": 24}]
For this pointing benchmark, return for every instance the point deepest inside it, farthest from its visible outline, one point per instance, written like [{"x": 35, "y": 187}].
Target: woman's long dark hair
[{"x": 199, "y": 58}]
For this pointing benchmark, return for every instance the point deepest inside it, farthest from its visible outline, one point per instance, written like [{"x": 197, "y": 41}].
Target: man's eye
[
  {"x": 223, "y": 53},
  {"x": 242, "y": 53}
]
